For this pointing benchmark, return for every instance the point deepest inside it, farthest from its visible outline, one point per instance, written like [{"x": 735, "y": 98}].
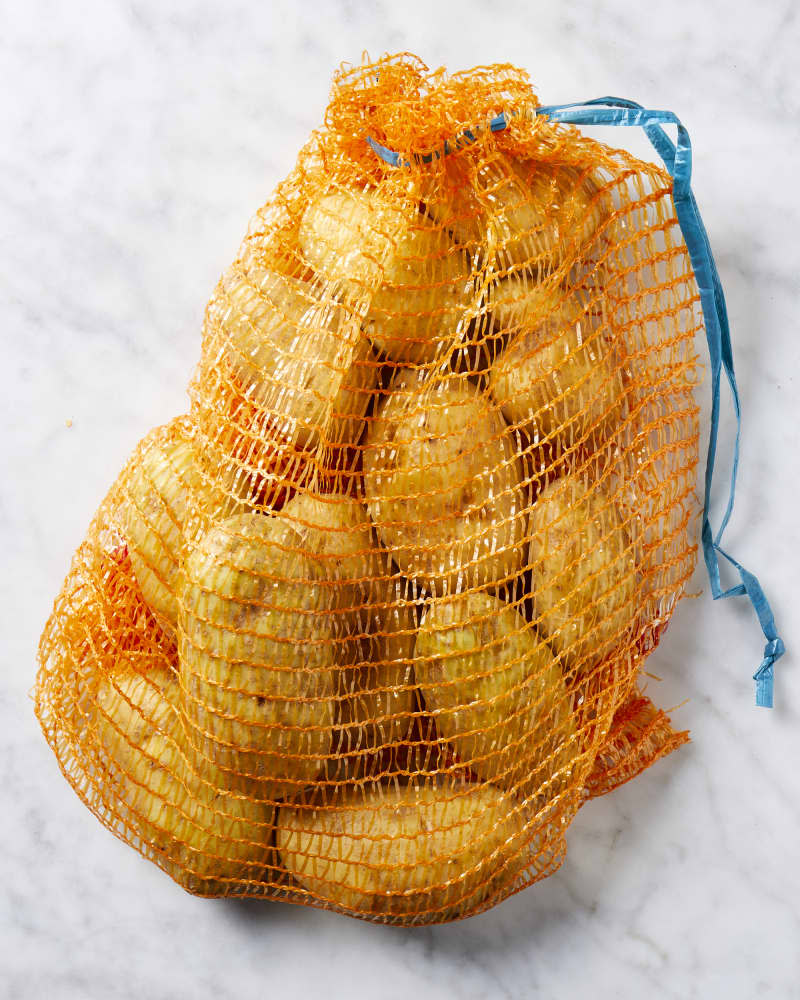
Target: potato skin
[
  {"x": 377, "y": 699},
  {"x": 298, "y": 354},
  {"x": 336, "y": 531},
  {"x": 444, "y": 484},
  {"x": 528, "y": 214},
  {"x": 256, "y": 649},
  {"x": 207, "y": 837},
  {"x": 346, "y": 235},
  {"x": 417, "y": 280},
  {"x": 497, "y": 694},
  {"x": 425, "y": 853},
  {"x": 557, "y": 378},
  {"x": 375, "y": 689},
  {"x": 584, "y": 572},
  {"x": 167, "y": 494}
]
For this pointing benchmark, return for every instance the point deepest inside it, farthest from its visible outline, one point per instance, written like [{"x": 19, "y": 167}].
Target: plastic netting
[{"x": 362, "y": 630}]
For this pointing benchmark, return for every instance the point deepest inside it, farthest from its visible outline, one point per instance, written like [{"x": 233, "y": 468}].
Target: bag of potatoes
[{"x": 354, "y": 631}]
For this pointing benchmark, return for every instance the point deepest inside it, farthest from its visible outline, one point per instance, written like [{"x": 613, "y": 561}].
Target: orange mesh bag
[{"x": 362, "y": 630}]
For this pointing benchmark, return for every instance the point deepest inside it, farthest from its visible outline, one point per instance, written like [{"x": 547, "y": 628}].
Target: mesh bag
[{"x": 362, "y": 630}]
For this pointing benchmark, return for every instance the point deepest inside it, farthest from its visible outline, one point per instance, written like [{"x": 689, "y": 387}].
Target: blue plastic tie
[{"x": 678, "y": 161}]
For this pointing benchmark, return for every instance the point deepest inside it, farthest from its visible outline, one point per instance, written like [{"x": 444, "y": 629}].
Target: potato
[
  {"x": 417, "y": 281},
  {"x": 584, "y": 572},
  {"x": 429, "y": 852},
  {"x": 530, "y": 214},
  {"x": 296, "y": 354},
  {"x": 376, "y": 694},
  {"x": 444, "y": 484},
  {"x": 346, "y": 236},
  {"x": 557, "y": 378},
  {"x": 337, "y": 532},
  {"x": 241, "y": 444},
  {"x": 209, "y": 838},
  {"x": 375, "y": 690},
  {"x": 496, "y": 694},
  {"x": 257, "y": 652},
  {"x": 167, "y": 496}
]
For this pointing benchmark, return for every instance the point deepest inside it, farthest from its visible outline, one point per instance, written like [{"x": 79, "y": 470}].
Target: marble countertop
[{"x": 137, "y": 142}]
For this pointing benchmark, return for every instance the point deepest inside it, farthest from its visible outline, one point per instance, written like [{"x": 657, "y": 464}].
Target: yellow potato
[
  {"x": 347, "y": 235},
  {"x": 376, "y": 693},
  {"x": 337, "y": 532},
  {"x": 209, "y": 838},
  {"x": 584, "y": 572},
  {"x": 168, "y": 497},
  {"x": 557, "y": 378},
  {"x": 496, "y": 694},
  {"x": 375, "y": 688},
  {"x": 297, "y": 355},
  {"x": 427, "y": 853},
  {"x": 444, "y": 484},
  {"x": 530, "y": 214},
  {"x": 417, "y": 281},
  {"x": 257, "y": 652}
]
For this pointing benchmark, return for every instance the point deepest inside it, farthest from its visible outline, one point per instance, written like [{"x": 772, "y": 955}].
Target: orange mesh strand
[
  {"x": 362, "y": 630},
  {"x": 640, "y": 735}
]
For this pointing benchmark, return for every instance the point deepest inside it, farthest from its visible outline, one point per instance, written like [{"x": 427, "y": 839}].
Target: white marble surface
[{"x": 137, "y": 139}]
